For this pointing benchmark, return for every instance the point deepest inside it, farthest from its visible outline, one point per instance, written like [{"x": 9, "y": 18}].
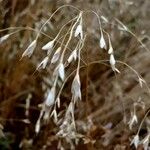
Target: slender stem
[
  {"x": 52, "y": 16},
  {"x": 71, "y": 33}
]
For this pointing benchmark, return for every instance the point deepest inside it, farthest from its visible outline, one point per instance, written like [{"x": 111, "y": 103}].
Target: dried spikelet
[
  {"x": 50, "y": 97},
  {"x": 3, "y": 38},
  {"x": 61, "y": 71},
  {"x": 135, "y": 141},
  {"x": 1, "y": 131},
  {"x": 29, "y": 51},
  {"x": 133, "y": 120},
  {"x": 56, "y": 55},
  {"x": 110, "y": 51},
  {"x": 69, "y": 109},
  {"x": 48, "y": 46},
  {"x": 46, "y": 115},
  {"x": 141, "y": 81},
  {"x": 79, "y": 31},
  {"x": 145, "y": 142},
  {"x": 37, "y": 126},
  {"x": 75, "y": 88},
  {"x": 27, "y": 121},
  {"x": 43, "y": 63},
  {"x": 112, "y": 63},
  {"x": 27, "y": 106},
  {"x": 73, "y": 56},
  {"x": 104, "y": 19},
  {"x": 102, "y": 42},
  {"x": 54, "y": 113},
  {"x": 58, "y": 102},
  {"x": 67, "y": 127}
]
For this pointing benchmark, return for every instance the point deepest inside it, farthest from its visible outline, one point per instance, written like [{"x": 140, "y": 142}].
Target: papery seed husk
[
  {"x": 104, "y": 18},
  {"x": 55, "y": 116},
  {"x": 145, "y": 142},
  {"x": 56, "y": 55},
  {"x": 51, "y": 97},
  {"x": 46, "y": 115},
  {"x": 79, "y": 31},
  {"x": 117, "y": 70},
  {"x": 112, "y": 60},
  {"x": 102, "y": 42},
  {"x": 72, "y": 56},
  {"x": 61, "y": 71},
  {"x": 110, "y": 51},
  {"x": 29, "y": 51},
  {"x": 135, "y": 141},
  {"x": 3, "y": 38},
  {"x": 58, "y": 102},
  {"x": 48, "y": 46},
  {"x": 75, "y": 89},
  {"x": 43, "y": 64},
  {"x": 37, "y": 126}
]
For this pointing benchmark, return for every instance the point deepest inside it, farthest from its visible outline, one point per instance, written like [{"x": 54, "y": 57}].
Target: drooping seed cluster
[{"x": 52, "y": 99}]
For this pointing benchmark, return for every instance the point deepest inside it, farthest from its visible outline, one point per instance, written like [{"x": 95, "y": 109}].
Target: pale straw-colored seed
[
  {"x": 145, "y": 142},
  {"x": 48, "y": 46},
  {"x": 112, "y": 60},
  {"x": 141, "y": 81},
  {"x": 37, "y": 126},
  {"x": 54, "y": 114},
  {"x": 112, "y": 63},
  {"x": 110, "y": 51},
  {"x": 27, "y": 121},
  {"x": 50, "y": 97},
  {"x": 61, "y": 71},
  {"x": 135, "y": 141},
  {"x": 75, "y": 88},
  {"x": 27, "y": 106},
  {"x": 79, "y": 31},
  {"x": 46, "y": 115},
  {"x": 30, "y": 49},
  {"x": 104, "y": 19},
  {"x": 133, "y": 121},
  {"x": 58, "y": 102},
  {"x": 43, "y": 63},
  {"x": 56, "y": 55},
  {"x": 73, "y": 56},
  {"x": 4, "y": 38},
  {"x": 102, "y": 42}
]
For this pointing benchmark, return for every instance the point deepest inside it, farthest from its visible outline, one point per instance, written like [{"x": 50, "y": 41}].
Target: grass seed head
[
  {"x": 48, "y": 46},
  {"x": 43, "y": 64},
  {"x": 61, "y": 71},
  {"x": 75, "y": 88},
  {"x": 135, "y": 141},
  {"x": 56, "y": 55},
  {"x": 50, "y": 97},
  {"x": 4, "y": 38},
  {"x": 29, "y": 51},
  {"x": 72, "y": 57},
  {"x": 79, "y": 31},
  {"x": 102, "y": 42}
]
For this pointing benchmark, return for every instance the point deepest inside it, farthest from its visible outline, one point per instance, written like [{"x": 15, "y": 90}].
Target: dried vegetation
[{"x": 114, "y": 107}]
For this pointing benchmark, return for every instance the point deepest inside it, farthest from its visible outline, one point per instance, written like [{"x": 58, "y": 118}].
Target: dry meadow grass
[{"x": 103, "y": 118}]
